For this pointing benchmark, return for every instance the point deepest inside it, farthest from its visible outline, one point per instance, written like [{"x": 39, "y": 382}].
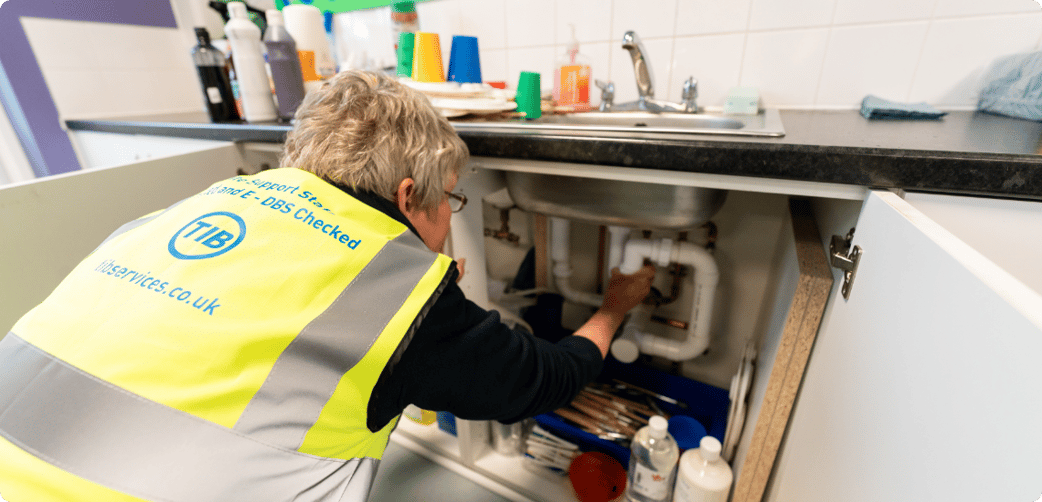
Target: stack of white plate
[{"x": 453, "y": 99}]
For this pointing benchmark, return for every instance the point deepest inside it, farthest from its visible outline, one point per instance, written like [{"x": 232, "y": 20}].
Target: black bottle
[{"x": 217, "y": 89}]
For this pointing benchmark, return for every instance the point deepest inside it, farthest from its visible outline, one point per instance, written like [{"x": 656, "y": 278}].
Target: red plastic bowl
[{"x": 596, "y": 477}]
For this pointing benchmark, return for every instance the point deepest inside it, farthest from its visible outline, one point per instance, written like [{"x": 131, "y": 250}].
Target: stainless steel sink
[
  {"x": 767, "y": 123},
  {"x": 610, "y": 202}
]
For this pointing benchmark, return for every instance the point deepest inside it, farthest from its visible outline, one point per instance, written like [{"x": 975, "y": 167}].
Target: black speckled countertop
[{"x": 965, "y": 152}]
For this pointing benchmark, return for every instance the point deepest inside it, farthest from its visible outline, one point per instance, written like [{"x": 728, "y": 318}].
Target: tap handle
[
  {"x": 689, "y": 94},
  {"x": 607, "y": 94},
  {"x": 607, "y": 89},
  {"x": 690, "y": 90}
]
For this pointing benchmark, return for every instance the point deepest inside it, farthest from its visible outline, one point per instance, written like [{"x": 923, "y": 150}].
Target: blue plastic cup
[
  {"x": 464, "y": 62},
  {"x": 686, "y": 431}
]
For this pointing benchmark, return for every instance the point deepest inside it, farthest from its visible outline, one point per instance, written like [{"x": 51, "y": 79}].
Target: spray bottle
[{"x": 254, "y": 87}]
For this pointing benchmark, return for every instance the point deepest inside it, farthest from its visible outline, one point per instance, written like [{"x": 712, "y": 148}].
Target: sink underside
[
  {"x": 767, "y": 123},
  {"x": 610, "y": 202}
]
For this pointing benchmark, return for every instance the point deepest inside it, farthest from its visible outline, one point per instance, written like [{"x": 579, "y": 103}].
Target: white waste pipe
[
  {"x": 617, "y": 238},
  {"x": 560, "y": 229},
  {"x": 626, "y": 348},
  {"x": 636, "y": 250},
  {"x": 706, "y": 278}
]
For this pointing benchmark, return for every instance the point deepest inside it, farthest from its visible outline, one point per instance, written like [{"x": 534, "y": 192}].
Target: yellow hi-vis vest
[{"x": 224, "y": 349}]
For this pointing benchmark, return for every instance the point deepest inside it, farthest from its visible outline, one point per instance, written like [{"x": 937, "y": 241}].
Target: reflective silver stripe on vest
[
  {"x": 104, "y": 434},
  {"x": 309, "y": 370}
]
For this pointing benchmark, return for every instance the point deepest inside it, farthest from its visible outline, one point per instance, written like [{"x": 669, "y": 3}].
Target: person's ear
[{"x": 404, "y": 196}]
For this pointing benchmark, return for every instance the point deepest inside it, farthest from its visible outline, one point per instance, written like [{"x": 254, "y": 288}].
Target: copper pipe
[
  {"x": 711, "y": 234},
  {"x": 601, "y": 239},
  {"x": 669, "y": 322}
]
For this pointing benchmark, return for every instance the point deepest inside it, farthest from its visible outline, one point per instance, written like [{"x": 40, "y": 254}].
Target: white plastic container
[
  {"x": 703, "y": 476},
  {"x": 653, "y": 463},
  {"x": 307, "y": 27},
  {"x": 254, "y": 87}
]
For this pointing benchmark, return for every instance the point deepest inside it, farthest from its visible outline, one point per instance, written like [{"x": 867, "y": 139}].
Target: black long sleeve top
[{"x": 463, "y": 360}]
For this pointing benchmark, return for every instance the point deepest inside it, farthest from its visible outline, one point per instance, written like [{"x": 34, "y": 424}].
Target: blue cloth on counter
[
  {"x": 874, "y": 107},
  {"x": 1013, "y": 87}
]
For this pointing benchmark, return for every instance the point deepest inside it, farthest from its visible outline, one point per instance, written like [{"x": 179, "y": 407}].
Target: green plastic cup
[
  {"x": 406, "y": 43},
  {"x": 527, "y": 97}
]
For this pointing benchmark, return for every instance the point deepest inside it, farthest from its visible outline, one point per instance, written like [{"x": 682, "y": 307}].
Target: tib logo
[{"x": 209, "y": 235}]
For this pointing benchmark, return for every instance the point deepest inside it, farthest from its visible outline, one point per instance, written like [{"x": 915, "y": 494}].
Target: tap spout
[{"x": 641, "y": 66}]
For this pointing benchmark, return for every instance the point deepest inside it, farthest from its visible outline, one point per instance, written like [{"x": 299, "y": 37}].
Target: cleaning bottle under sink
[
  {"x": 653, "y": 463},
  {"x": 572, "y": 79}
]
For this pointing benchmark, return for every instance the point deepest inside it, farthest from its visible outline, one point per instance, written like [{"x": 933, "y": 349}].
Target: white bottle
[
  {"x": 703, "y": 476},
  {"x": 254, "y": 87},
  {"x": 653, "y": 463},
  {"x": 307, "y": 27}
]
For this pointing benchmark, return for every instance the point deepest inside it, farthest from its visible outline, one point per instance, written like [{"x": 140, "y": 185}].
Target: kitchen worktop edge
[{"x": 967, "y": 153}]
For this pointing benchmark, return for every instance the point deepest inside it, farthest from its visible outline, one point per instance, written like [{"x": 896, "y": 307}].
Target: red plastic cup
[{"x": 597, "y": 477}]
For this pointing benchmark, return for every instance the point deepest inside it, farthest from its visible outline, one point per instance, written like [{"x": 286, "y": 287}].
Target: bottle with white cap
[
  {"x": 254, "y": 86},
  {"x": 306, "y": 24},
  {"x": 286, "y": 74},
  {"x": 653, "y": 463},
  {"x": 703, "y": 476}
]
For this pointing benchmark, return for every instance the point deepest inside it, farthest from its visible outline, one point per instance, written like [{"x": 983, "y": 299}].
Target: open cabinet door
[
  {"x": 926, "y": 384},
  {"x": 50, "y": 224}
]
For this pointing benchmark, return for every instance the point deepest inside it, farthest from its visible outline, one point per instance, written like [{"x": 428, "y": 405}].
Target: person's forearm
[{"x": 601, "y": 327}]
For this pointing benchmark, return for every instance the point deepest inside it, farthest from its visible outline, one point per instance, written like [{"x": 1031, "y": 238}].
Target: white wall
[
  {"x": 104, "y": 69},
  {"x": 800, "y": 53}
]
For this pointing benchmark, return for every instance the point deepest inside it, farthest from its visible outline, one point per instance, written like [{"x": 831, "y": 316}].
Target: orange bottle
[{"x": 572, "y": 79}]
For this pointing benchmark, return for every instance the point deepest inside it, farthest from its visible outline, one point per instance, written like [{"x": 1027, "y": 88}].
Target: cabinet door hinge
[{"x": 845, "y": 259}]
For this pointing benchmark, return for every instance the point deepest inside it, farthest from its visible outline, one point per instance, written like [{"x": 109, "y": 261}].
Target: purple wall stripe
[{"x": 22, "y": 87}]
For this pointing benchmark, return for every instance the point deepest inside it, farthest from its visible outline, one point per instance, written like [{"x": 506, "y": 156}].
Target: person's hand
[
  {"x": 627, "y": 291},
  {"x": 461, "y": 266}
]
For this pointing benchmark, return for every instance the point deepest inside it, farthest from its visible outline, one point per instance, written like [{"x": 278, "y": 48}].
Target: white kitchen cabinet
[
  {"x": 101, "y": 149},
  {"x": 925, "y": 383},
  {"x": 922, "y": 385}
]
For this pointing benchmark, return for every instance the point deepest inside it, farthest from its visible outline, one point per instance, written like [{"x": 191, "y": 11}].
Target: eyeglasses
[{"x": 456, "y": 201}]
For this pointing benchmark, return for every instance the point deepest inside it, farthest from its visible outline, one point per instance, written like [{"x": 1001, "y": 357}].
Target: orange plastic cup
[{"x": 426, "y": 58}]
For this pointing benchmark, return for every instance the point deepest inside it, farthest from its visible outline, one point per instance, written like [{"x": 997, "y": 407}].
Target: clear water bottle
[
  {"x": 213, "y": 74},
  {"x": 653, "y": 463}
]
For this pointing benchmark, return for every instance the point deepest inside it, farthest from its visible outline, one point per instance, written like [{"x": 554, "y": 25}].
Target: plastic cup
[
  {"x": 464, "y": 63},
  {"x": 687, "y": 431},
  {"x": 527, "y": 97},
  {"x": 596, "y": 477},
  {"x": 426, "y": 58},
  {"x": 406, "y": 45}
]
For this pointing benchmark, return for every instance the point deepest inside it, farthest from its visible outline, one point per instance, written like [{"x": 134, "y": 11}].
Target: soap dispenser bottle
[{"x": 572, "y": 79}]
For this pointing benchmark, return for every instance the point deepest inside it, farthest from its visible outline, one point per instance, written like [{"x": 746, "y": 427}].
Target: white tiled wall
[
  {"x": 103, "y": 69},
  {"x": 799, "y": 53}
]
